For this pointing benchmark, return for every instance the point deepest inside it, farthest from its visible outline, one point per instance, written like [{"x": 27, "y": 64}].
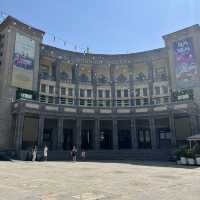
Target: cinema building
[{"x": 139, "y": 105}]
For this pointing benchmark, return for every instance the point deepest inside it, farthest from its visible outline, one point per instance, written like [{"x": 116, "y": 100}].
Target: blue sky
[{"x": 106, "y": 26}]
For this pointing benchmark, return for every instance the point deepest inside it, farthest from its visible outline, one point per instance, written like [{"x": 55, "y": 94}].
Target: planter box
[
  {"x": 183, "y": 161},
  {"x": 191, "y": 161},
  {"x": 198, "y": 160}
]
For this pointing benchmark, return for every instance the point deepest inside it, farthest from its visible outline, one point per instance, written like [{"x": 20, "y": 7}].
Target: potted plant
[
  {"x": 196, "y": 150},
  {"x": 190, "y": 157},
  {"x": 181, "y": 154}
]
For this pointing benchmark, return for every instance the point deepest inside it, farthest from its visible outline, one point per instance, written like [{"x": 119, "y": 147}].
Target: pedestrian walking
[
  {"x": 83, "y": 154},
  {"x": 45, "y": 153},
  {"x": 34, "y": 153},
  {"x": 73, "y": 153}
]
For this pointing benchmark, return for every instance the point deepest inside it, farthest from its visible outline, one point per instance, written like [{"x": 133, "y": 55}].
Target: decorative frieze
[
  {"x": 71, "y": 110},
  {"x": 88, "y": 111},
  {"x": 51, "y": 108},
  {"x": 180, "y": 106},
  {"x": 105, "y": 111},
  {"x": 32, "y": 105},
  {"x": 141, "y": 110},
  {"x": 123, "y": 110},
  {"x": 160, "y": 108}
]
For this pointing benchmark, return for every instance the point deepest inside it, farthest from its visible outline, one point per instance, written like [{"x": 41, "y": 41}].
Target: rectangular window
[
  {"x": 82, "y": 102},
  {"x": 100, "y": 93},
  {"x": 43, "y": 88},
  {"x": 157, "y": 100},
  {"x": 89, "y": 102},
  {"x": 63, "y": 91},
  {"x": 165, "y": 89},
  {"x": 119, "y": 103},
  {"x": 166, "y": 99},
  {"x": 107, "y": 103},
  {"x": 126, "y": 103},
  {"x": 145, "y": 92},
  {"x": 42, "y": 99},
  {"x": 70, "y": 101},
  {"x": 107, "y": 93},
  {"x": 62, "y": 101},
  {"x": 51, "y": 88},
  {"x": 157, "y": 90},
  {"x": 82, "y": 93},
  {"x": 89, "y": 93},
  {"x": 101, "y": 103},
  {"x": 125, "y": 93},
  {"x": 146, "y": 101},
  {"x": 70, "y": 92},
  {"x": 137, "y": 92},
  {"x": 50, "y": 100},
  {"x": 138, "y": 102},
  {"x": 119, "y": 93}
]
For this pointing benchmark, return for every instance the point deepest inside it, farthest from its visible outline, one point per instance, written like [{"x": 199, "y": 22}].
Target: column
[
  {"x": 97, "y": 134},
  {"x": 172, "y": 129},
  {"x": 19, "y": 131},
  {"x": 60, "y": 133},
  {"x": 78, "y": 133},
  {"x": 153, "y": 133},
  {"x": 134, "y": 135},
  {"x": 41, "y": 131},
  {"x": 115, "y": 135},
  {"x": 194, "y": 124}
]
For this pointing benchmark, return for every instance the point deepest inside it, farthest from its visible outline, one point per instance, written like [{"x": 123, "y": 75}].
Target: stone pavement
[{"x": 98, "y": 181}]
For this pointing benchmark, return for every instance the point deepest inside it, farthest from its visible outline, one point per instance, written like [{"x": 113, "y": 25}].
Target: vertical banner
[
  {"x": 23, "y": 62},
  {"x": 186, "y": 66}
]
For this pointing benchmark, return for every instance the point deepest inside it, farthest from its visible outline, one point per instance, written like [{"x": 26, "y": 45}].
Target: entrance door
[
  {"x": 144, "y": 138},
  {"x": 164, "y": 137},
  {"x": 86, "y": 139},
  {"x": 124, "y": 139},
  {"x": 47, "y": 137},
  {"x": 106, "y": 139},
  {"x": 68, "y": 139}
]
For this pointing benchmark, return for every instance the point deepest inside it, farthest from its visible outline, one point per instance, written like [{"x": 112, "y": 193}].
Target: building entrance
[
  {"x": 106, "y": 139},
  {"x": 86, "y": 139},
  {"x": 144, "y": 138},
  {"x": 67, "y": 139},
  {"x": 47, "y": 137}
]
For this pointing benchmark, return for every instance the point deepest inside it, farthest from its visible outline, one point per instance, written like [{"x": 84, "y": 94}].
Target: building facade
[{"x": 106, "y": 104}]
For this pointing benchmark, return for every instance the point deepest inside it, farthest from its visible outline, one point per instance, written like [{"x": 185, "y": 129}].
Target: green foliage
[{"x": 181, "y": 152}]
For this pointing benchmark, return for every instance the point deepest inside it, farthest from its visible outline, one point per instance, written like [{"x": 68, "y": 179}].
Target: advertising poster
[
  {"x": 186, "y": 67},
  {"x": 23, "y": 62}
]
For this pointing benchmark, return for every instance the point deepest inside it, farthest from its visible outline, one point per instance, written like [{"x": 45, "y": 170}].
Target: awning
[{"x": 194, "y": 138}]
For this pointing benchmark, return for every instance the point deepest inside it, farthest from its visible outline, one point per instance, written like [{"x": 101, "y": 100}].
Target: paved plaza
[{"x": 95, "y": 180}]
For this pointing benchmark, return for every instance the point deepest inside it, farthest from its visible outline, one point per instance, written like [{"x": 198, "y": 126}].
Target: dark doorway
[
  {"x": 87, "y": 139},
  {"x": 124, "y": 134},
  {"x": 69, "y": 136},
  {"x": 106, "y": 139},
  {"x": 87, "y": 134},
  {"x": 144, "y": 138},
  {"x": 68, "y": 139},
  {"x": 50, "y": 134},
  {"x": 163, "y": 132},
  {"x": 106, "y": 134},
  {"x": 124, "y": 139},
  {"x": 47, "y": 137}
]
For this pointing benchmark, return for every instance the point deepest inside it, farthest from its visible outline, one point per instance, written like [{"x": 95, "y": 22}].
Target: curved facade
[{"x": 106, "y": 104}]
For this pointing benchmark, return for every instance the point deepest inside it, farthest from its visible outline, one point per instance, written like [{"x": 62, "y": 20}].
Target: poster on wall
[
  {"x": 23, "y": 62},
  {"x": 186, "y": 66}
]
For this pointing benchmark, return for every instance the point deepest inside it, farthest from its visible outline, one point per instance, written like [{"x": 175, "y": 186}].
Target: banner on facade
[
  {"x": 23, "y": 62},
  {"x": 186, "y": 66}
]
